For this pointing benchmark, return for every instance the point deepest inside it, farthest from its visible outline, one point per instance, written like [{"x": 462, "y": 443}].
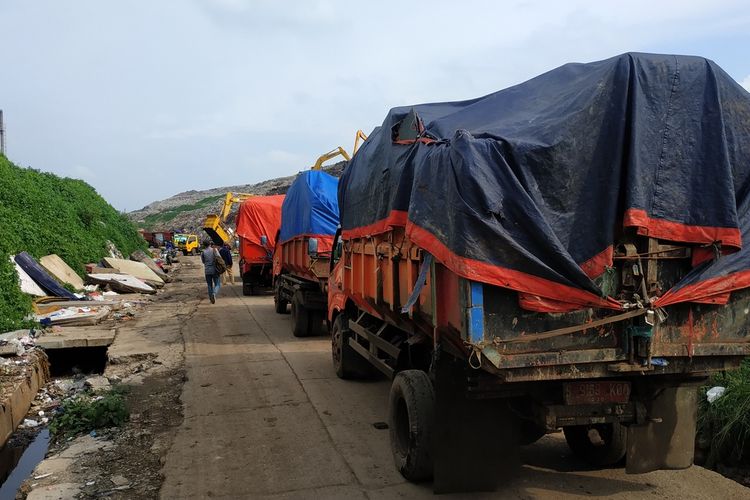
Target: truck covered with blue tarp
[{"x": 309, "y": 219}]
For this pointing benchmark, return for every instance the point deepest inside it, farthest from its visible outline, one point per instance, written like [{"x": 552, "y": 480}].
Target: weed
[
  {"x": 725, "y": 423},
  {"x": 86, "y": 412}
]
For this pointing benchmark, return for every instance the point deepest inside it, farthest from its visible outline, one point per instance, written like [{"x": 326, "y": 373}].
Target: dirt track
[{"x": 266, "y": 417}]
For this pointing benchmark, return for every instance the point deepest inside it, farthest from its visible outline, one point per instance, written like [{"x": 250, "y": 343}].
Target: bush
[
  {"x": 41, "y": 213},
  {"x": 85, "y": 413},
  {"x": 724, "y": 425}
]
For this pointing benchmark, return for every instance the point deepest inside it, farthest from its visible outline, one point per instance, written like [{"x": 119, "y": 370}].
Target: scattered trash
[
  {"x": 29, "y": 423},
  {"x": 98, "y": 383},
  {"x": 74, "y": 316},
  {"x": 659, "y": 362},
  {"x": 715, "y": 393}
]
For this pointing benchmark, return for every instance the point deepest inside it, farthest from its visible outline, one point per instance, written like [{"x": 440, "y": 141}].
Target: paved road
[{"x": 266, "y": 417}]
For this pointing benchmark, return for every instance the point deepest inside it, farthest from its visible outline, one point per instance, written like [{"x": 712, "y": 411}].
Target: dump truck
[
  {"x": 188, "y": 244},
  {"x": 309, "y": 218},
  {"x": 570, "y": 253},
  {"x": 258, "y": 222},
  {"x": 215, "y": 225},
  {"x": 156, "y": 238}
]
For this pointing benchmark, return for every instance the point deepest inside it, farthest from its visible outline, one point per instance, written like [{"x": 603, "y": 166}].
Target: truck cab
[{"x": 187, "y": 243}]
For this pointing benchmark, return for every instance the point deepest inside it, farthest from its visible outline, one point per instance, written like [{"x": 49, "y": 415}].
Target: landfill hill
[
  {"x": 186, "y": 211},
  {"x": 41, "y": 213}
]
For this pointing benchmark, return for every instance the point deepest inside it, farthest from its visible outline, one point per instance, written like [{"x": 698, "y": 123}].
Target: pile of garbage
[{"x": 63, "y": 298}]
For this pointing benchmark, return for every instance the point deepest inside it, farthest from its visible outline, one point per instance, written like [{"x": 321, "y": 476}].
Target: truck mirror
[
  {"x": 312, "y": 247},
  {"x": 263, "y": 240}
]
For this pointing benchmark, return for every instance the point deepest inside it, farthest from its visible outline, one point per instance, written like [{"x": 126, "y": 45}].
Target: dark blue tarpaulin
[
  {"x": 311, "y": 206},
  {"x": 42, "y": 277},
  {"x": 529, "y": 187}
]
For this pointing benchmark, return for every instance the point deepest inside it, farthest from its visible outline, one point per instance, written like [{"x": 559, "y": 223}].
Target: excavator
[
  {"x": 339, "y": 151},
  {"x": 215, "y": 225}
]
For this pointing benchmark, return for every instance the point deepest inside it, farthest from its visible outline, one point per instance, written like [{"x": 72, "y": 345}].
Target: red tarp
[{"x": 259, "y": 216}]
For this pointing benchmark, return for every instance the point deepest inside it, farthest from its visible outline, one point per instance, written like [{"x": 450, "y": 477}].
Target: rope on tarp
[{"x": 419, "y": 285}]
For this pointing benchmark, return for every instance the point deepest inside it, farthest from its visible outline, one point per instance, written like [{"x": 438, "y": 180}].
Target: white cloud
[{"x": 259, "y": 88}]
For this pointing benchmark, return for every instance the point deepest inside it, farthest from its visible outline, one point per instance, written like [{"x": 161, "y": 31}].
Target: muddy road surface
[{"x": 266, "y": 417}]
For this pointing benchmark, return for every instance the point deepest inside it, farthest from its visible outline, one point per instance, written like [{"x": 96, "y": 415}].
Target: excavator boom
[
  {"x": 215, "y": 225},
  {"x": 339, "y": 151}
]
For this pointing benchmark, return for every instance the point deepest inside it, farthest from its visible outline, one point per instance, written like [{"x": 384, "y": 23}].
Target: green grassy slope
[{"x": 43, "y": 214}]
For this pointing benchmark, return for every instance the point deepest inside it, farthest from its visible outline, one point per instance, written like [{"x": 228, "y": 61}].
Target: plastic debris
[
  {"x": 659, "y": 362},
  {"x": 715, "y": 393},
  {"x": 29, "y": 424}
]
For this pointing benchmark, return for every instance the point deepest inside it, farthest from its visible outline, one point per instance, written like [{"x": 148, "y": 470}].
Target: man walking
[
  {"x": 208, "y": 257},
  {"x": 226, "y": 254}
]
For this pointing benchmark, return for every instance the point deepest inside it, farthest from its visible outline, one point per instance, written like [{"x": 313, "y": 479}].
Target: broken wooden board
[
  {"x": 62, "y": 271},
  {"x": 71, "y": 336},
  {"x": 122, "y": 283},
  {"x": 137, "y": 269},
  {"x": 142, "y": 257}
]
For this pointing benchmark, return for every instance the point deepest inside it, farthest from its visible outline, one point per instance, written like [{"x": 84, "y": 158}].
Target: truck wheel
[
  {"x": 600, "y": 445},
  {"x": 410, "y": 417},
  {"x": 279, "y": 303},
  {"x": 300, "y": 316},
  {"x": 317, "y": 319},
  {"x": 346, "y": 361}
]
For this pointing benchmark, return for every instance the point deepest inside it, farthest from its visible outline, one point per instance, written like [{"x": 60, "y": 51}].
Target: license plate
[{"x": 584, "y": 393}]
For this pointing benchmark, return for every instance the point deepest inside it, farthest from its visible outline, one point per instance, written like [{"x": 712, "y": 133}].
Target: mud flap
[
  {"x": 475, "y": 441},
  {"x": 667, "y": 441}
]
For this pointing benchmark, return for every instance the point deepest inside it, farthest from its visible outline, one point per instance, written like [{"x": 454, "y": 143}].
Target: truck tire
[
  {"x": 300, "y": 316},
  {"x": 347, "y": 363},
  {"x": 600, "y": 445},
  {"x": 317, "y": 319},
  {"x": 410, "y": 417},
  {"x": 279, "y": 303}
]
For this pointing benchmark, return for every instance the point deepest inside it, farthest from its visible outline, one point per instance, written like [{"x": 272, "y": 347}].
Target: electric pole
[{"x": 2, "y": 134}]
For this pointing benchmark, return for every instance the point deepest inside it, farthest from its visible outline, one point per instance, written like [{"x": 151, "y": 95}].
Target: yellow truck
[{"x": 187, "y": 243}]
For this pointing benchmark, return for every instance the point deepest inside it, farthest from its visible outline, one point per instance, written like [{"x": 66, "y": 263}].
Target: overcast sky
[{"x": 144, "y": 99}]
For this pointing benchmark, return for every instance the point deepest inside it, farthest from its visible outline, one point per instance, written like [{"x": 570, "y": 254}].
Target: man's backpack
[{"x": 219, "y": 263}]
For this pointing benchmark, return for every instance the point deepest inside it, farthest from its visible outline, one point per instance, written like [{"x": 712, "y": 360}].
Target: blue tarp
[
  {"x": 42, "y": 277},
  {"x": 530, "y": 187},
  {"x": 311, "y": 206}
]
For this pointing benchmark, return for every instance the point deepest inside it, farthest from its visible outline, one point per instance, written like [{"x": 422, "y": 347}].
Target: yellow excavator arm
[
  {"x": 339, "y": 151},
  {"x": 215, "y": 226},
  {"x": 230, "y": 200}
]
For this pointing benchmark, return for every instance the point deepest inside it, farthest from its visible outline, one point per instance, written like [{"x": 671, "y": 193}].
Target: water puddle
[{"x": 17, "y": 461}]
